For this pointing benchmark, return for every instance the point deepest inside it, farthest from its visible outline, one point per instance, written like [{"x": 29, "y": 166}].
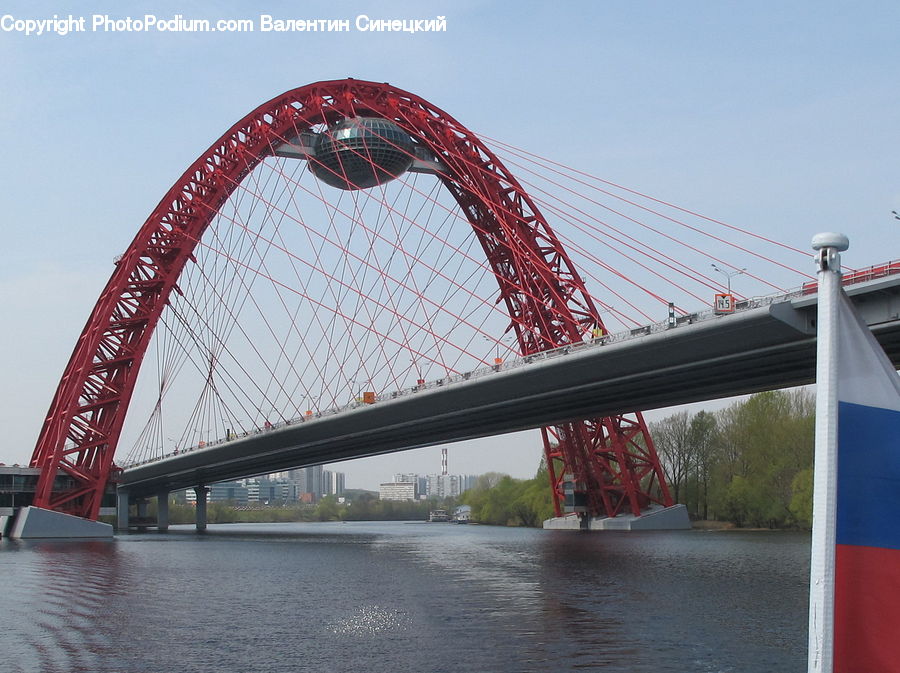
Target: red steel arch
[{"x": 612, "y": 460}]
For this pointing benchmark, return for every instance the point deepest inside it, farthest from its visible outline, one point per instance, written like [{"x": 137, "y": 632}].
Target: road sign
[{"x": 724, "y": 304}]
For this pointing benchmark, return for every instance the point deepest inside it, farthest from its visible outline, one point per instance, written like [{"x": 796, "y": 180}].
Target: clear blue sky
[{"x": 778, "y": 117}]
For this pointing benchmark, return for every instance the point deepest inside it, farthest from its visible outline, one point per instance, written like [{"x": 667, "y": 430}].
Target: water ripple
[
  {"x": 405, "y": 597},
  {"x": 370, "y": 620}
]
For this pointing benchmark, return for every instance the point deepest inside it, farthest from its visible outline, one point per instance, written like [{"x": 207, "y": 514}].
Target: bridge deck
[{"x": 757, "y": 349}]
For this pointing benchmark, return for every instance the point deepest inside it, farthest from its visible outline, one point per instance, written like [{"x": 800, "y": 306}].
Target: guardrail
[{"x": 858, "y": 276}]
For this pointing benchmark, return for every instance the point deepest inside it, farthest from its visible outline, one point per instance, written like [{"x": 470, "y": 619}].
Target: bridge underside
[{"x": 758, "y": 349}]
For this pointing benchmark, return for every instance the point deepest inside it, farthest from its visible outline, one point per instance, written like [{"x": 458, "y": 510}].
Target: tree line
[
  {"x": 363, "y": 507},
  {"x": 749, "y": 464},
  {"x": 500, "y": 500}
]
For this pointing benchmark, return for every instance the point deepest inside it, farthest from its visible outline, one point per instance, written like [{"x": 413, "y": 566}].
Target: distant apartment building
[
  {"x": 431, "y": 486},
  {"x": 304, "y": 485},
  {"x": 235, "y": 492},
  {"x": 315, "y": 482},
  {"x": 444, "y": 485},
  {"x": 420, "y": 482},
  {"x": 266, "y": 491},
  {"x": 397, "y": 490},
  {"x": 334, "y": 482},
  {"x": 309, "y": 481}
]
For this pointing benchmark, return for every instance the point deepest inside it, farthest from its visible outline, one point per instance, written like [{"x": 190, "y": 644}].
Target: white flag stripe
[{"x": 866, "y": 375}]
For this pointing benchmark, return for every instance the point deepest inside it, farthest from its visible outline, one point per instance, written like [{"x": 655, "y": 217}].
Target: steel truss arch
[{"x": 611, "y": 460}]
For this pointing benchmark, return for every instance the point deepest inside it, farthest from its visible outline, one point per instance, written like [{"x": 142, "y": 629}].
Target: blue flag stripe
[{"x": 868, "y": 498}]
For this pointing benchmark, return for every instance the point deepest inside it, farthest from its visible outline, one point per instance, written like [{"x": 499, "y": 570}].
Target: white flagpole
[{"x": 821, "y": 581}]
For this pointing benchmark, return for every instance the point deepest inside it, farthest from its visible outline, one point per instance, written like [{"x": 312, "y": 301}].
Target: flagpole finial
[
  {"x": 828, "y": 247},
  {"x": 830, "y": 240}
]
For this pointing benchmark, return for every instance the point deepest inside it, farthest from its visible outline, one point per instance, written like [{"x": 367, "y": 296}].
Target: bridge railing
[{"x": 858, "y": 276}]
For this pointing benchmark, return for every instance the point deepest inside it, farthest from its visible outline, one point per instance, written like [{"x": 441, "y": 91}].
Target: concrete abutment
[
  {"x": 655, "y": 518},
  {"x": 37, "y": 523}
]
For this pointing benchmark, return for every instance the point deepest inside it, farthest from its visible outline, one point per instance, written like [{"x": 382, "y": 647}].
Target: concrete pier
[
  {"x": 654, "y": 518},
  {"x": 162, "y": 511},
  {"x": 34, "y": 522},
  {"x": 141, "y": 520},
  {"x": 123, "y": 501},
  {"x": 6, "y": 522},
  {"x": 202, "y": 493}
]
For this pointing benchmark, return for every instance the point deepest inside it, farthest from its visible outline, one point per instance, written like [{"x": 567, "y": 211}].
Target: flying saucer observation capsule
[{"x": 361, "y": 152}]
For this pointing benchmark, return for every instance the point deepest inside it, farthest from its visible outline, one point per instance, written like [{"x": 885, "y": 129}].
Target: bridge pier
[
  {"x": 124, "y": 521},
  {"x": 123, "y": 502},
  {"x": 6, "y": 524},
  {"x": 202, "y": 493},
  {"x": 162, "y": 511},
  {"x": 141, "y": 505}
]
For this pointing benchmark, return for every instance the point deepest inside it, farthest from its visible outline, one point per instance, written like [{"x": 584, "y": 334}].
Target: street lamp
[
  {"x": 505, "y": 340},
  {"x": 729, "y": 274},
  {"x": 420, "y": 380},
  {"x": 598, "y": 331},
  {"x": 360, "y": 382}
]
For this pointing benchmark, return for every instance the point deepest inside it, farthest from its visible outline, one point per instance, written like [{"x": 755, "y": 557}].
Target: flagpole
[{"x": 821, "y": 580}]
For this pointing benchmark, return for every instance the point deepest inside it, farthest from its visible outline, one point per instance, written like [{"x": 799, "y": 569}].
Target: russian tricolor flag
[{"x": 867, "y": 528}]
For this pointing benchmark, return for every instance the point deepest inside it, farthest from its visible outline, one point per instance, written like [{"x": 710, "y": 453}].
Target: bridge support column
[
  {"x": 123, "y": 501},
  {"x": 162, "y": 511},
  {"x": 141, "y": 504},
  {"x": 202, "y": 492}
]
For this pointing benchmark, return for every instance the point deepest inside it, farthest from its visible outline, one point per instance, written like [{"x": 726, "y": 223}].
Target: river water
[{"x": 397, "y": 597}]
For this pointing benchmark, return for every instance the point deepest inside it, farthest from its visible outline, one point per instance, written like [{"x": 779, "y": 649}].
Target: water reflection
[
  {"x": 403, "y": 597},
  {"x": 56, "y": 591}
]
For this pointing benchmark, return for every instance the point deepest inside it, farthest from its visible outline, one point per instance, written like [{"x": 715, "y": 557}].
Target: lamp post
[
  {"x": 729, "y": 274},
  {"x": 506, "y": 340},
  {"x": 598, "y": 331},
  {"x": 359, "y": 382},
  {"x": 420, "y": 380}
]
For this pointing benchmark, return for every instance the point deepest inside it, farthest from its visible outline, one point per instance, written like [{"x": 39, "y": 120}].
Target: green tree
[
  {"x": 503, "y": 501},
  {"x": 741, "y": 463},
  {"x": 704, "y": 437},
  {"x": 672, "y": 437},
  {"x": 802, "y": 498},
  {"x": 328, "y": 509},
  {"x": 765, "y": 441}
]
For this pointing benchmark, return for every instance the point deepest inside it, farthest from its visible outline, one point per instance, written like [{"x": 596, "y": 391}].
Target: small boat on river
[{"x": 439, "y": 515}]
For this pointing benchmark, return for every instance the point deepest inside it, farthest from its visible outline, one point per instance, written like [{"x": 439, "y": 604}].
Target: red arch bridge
[{"x": 349, "y": 271}]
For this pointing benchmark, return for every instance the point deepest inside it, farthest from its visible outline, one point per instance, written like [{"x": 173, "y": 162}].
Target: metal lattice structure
[{"x": 611, "y": 461}]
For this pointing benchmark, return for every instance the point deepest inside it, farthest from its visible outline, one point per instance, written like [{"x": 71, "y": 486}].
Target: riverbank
[{"x": 729, "y": 526}]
